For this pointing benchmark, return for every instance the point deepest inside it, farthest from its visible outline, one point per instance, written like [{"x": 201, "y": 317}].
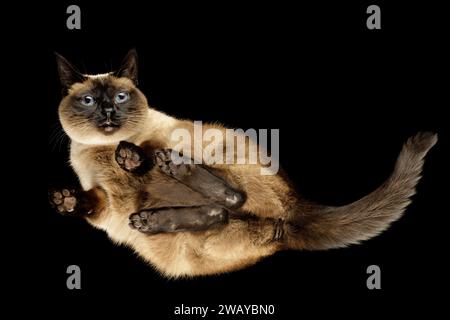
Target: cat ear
[
  {"x": 129, "y": 67},
  {"x": 68, "y": 75}
]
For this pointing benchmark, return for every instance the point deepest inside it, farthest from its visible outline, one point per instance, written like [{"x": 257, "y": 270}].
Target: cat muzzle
[{"x": 109, "y": 125}]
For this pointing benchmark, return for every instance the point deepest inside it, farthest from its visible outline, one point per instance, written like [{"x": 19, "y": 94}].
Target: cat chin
[{"x": 100, "y": 138}]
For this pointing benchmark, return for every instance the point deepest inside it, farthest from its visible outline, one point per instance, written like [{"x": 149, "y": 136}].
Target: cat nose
[{"x": 107, "y": 108}]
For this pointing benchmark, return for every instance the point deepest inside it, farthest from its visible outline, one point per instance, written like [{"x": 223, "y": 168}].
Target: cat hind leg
[
  {"x": 198, "y": 178},
  {"x": 178, "y": 219}
]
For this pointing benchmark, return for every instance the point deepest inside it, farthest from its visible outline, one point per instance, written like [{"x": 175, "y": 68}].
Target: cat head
[{"x": 104, "y": 108}]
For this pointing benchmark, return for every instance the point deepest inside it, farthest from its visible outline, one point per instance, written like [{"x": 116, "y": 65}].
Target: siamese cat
[{"x": 190, "y": 219}]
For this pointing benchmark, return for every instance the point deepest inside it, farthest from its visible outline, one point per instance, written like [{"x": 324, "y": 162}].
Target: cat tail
[{"x": 322, "y": 227}]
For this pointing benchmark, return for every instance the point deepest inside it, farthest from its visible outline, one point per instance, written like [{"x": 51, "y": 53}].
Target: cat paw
[
  {"x": 144, "y": 221},
  {"x": 63, "y": 200},
  {"x": 131, "y": 158},
  {"x": 233, "y": 198},
  {"x": 163, "y": 159}
]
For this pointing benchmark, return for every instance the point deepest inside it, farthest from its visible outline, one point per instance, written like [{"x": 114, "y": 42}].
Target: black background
[{"x": 345, "y": 98}]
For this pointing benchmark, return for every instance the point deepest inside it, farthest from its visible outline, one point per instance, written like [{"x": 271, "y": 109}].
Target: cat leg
[
  {"x": 132, "y": 158},
  {"x": 178, "y": 219},
  {"x": 198, "y": 178},
  {"x": 75, "y": 202}
]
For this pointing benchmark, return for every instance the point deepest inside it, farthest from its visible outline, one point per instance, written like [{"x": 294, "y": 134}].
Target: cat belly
[
  {"x": 188, "y": 254},
  {"x": 181, "y": 254}
]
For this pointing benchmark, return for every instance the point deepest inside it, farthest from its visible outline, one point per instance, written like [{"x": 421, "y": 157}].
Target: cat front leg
[
  {"x": 76, "y": 202},
  {"x": 198, "y": 178},
  {"x": 178, "y": 219}
]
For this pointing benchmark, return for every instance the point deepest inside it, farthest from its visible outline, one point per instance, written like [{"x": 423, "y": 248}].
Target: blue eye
[
  {"x": 121, "y": 97},
  {"x": 87, "y": 100}
]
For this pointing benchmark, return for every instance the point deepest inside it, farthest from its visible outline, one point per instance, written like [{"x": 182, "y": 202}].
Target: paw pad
[{"x": 64, "y": 200}]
